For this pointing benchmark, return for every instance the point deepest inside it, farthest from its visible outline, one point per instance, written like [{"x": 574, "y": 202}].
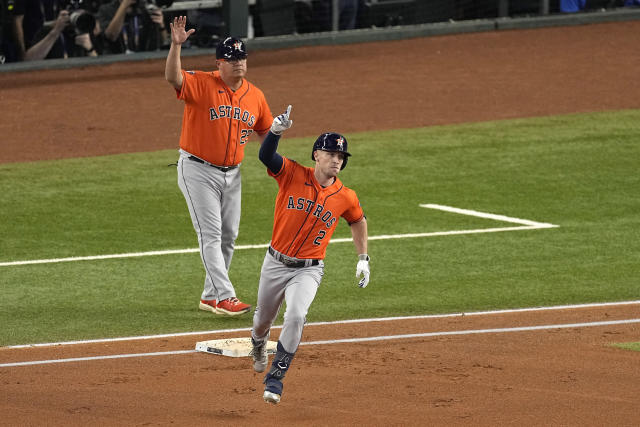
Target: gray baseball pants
[
  {"x": 213, "y": 198},
  {"x": 295, "y": 286}
]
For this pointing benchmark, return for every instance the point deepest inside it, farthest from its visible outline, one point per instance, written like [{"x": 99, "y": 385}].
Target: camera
[
  {"x": 80, "y": 17},
  {"x": 149, "y": 6}
]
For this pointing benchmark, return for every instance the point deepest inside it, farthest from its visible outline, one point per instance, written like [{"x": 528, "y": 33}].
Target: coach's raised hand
[
  {"x": 282, "y": 122},
  {"x": 179, "y": 34},
  {"x": 173, "y": 66}
]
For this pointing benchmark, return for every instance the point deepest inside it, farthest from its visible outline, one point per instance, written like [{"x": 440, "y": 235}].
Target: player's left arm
[
  {"x": 268, "y": 154},
  {"x": 360, "y": 236}
]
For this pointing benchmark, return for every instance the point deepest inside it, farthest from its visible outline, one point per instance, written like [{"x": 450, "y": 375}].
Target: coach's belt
[
  {"x": 222, "y": 168},
  {"x": 292, "y": 262}
]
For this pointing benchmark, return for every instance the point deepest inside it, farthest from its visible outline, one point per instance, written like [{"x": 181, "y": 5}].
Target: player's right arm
[
  {"x": 173, "y": 67},
  {"x": 359, "y": 233}
]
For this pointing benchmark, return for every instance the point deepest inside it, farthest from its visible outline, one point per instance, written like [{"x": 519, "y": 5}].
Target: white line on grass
[
  {"x": 337, "y": 322},
  {"x": 533, "y": 224},
  {"x": 347, "y": 340},
  {"x": 527, "y": 225}
]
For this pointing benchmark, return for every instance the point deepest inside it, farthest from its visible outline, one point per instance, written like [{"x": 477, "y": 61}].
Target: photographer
[
  {"x": 29, "y": 16},
  {"x": 73, "y": 34},
  {"x": 132, "y": 26},
  {"x": 53, "y": 36}
]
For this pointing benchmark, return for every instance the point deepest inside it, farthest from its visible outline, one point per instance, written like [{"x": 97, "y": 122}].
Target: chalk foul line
[
  {"x": 344, "y": 341},
  {"x": 525, "y": 224},
  {"x": 339, "y": 322}
]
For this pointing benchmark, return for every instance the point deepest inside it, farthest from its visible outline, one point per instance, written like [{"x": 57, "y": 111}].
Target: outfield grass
[{"x": 579, "y": 172}]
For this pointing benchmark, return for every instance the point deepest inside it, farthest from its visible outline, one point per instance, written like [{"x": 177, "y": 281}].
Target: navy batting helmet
[
  {"x": 332, "y": 142},
  {"x": 231, "y": 48}
]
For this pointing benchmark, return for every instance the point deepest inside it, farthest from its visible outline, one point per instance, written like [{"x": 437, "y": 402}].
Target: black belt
[
  {"x": 222, "y": 168},
  {"x": 290, "y": 262}
]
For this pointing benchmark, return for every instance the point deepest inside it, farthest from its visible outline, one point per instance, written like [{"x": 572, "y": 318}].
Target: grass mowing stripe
[{"x": 265, "y": 245}]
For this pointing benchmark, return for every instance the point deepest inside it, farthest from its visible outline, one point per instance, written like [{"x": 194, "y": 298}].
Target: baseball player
[
  {"x": 222, "y": 109},
  {"x": 308, "y": 205}
]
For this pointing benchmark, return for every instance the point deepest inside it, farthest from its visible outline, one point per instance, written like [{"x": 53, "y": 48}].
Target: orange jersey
[
  {"x": 306, "y": 214},
  {"x": 217, "y": 122}
]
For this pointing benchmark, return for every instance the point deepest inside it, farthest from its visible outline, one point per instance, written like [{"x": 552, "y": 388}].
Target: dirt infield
[
  {"x": 556, "y": 376},
  {"x": 483, "y": 377}
]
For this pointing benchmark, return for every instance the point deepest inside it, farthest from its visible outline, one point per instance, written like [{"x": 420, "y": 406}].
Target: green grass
[
  {"x": 577, "y": 171},
  {"x": 633, "y": 346}
]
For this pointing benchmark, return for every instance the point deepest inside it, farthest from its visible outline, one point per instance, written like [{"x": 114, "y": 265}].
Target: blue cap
[{"x": 231, "y": 48}]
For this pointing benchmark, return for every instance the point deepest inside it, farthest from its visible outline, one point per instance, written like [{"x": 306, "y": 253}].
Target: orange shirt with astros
[
  {"x": 306, "y": 214},
  {"x": 217, "y": 122}
]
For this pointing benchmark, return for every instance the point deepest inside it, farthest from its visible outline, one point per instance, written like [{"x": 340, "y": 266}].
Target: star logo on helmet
[
  {"x": 340, "y": 142},
  {"x": 237, "y": 45}
]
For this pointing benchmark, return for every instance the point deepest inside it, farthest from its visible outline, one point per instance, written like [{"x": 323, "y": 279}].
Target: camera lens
[{"x": 83, "y": 21}]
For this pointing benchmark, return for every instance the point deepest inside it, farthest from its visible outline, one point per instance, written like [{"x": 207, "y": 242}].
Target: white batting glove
[
  {"x": 282, "y": 122},
  {"x": 362, "y": 269}
]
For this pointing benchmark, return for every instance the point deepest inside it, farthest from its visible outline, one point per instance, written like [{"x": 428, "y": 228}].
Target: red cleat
[
  {"x": 232, "y": 307},
  {"x": 209, "y": 305}
]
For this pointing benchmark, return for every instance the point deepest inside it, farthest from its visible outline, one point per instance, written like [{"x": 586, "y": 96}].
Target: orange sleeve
[
  {"x": 263, "y": 124},
  {"x": 354, "y": 213},
  {"x": 188, "y": 88}
]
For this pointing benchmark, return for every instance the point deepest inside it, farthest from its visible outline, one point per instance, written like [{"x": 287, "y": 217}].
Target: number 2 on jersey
[{"x": 320, "y": 236}]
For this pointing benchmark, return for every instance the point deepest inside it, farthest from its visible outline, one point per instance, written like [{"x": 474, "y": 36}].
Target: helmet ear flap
[{"x": 344, "y": 162}]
